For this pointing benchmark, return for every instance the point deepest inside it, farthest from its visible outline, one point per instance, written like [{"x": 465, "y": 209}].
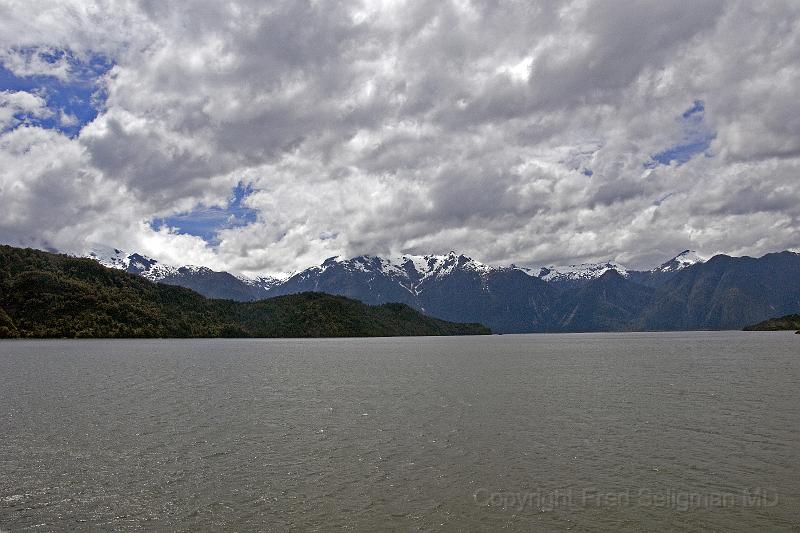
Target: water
[{"x": 609, "y": 432}]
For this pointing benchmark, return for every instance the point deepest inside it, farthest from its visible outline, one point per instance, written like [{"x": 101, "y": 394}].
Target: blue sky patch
[
  {"x": 697, "y": 108},
  {"x": 206, "y": 222},
  {"x": 74, "y": 102},
  {"x": 696, "y": 138}
]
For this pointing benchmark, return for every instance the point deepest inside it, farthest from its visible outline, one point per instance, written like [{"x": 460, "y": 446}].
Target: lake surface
[{"x": 587, "y": 432}]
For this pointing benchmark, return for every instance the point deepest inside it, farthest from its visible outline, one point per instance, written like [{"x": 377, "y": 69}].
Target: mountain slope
[
  {"x": 727, "y": 293},
  {"x": 49, "y": 295},
  {"x": 213, "y": 284},
  {"x": 507, "y": 300},
  {"x": 783, "y": 323},
  {"x": 609, "y": 303}
]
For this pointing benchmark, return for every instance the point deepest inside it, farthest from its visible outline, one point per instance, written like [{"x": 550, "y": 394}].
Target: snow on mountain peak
[
  {"x": 684, "y": 259},
  {"x": 410, "y": 271},
  {"x": 263, "y": 282},
  {"x": 442, "y": 265},
  {"x": 406, "y": 267},
  {"x": 584, "y": 271},
  {"x": 108, "y": 256},
  {"x": 134, "y": 263}
]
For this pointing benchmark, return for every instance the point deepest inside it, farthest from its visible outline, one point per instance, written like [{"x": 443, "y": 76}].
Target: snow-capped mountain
[
  {"x": 578, "y": 273},
  {"x": 374, "y": 279},
  {"x": 411, "y": 267},
  {"x": 440, "y": 285},
  {"x": 202, "y": 279},
  {"x": 409, "y": 271},
  {"x": 684, "y": 259},
  {"x": 110, "y": 257},
  {"x": 585, "y": 297},
  {"x": 264, "y": 283},
  {"x": 659, "y": 275},
  {"x": 134, "y": 263}
]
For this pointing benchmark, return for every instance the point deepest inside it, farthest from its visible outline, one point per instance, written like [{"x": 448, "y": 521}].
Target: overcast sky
[{"x": 263, "y": 137}]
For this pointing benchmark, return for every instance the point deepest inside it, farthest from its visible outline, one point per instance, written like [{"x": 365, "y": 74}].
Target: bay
[{"x": 689, "y": 431}]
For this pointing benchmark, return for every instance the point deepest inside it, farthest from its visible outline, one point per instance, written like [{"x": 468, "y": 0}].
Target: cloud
[
  {"x": 18, "y": 107},
  {"x": 25, "y": 63},
  {"x": 526, "y": 132}
]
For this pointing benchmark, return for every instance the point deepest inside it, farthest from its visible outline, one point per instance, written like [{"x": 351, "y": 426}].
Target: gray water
[{"x": 586, "y": 432}]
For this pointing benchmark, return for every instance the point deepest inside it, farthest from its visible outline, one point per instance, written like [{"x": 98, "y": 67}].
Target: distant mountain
[
  {"x": 570, "y": 277},
  {"x": 683, "y": 260},
  {"x": 132, "y": 263},
  {"x": 365, "y": 278},
  {"x": 667, "y": 270},
  {"x": 726, "y": 293},
  {"x": 445, "y": 286},
  {"x": 608, "y": 303},
  {"x": 209, "y": 283},
  {"x": 439, "y": 285},
  {"x": 783, "y": 323},
  {"x": 684, "y": 292},
  {"x": 49, "y": 295}
]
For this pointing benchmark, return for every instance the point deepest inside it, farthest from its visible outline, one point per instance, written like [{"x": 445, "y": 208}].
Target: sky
[{"x": 263, "y": 137}]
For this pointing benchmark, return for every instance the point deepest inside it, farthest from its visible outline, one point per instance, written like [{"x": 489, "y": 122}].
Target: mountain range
[
  {"x": 45, "y": 295},
  {"x": 684, "y": 293}
]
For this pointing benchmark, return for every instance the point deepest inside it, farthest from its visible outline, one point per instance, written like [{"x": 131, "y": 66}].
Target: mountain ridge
[
  {"x": 45, "y": 295},
  {"x": 685, "y": 292},
  {"x": 414, "y": 268}
]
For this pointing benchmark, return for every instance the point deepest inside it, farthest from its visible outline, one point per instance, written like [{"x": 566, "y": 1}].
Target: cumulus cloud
[
  {"x": 16, "y": 107},
  {"x": 526, "y": 132}
]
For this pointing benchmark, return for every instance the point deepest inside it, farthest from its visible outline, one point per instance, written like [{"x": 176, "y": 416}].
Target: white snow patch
[{"x": 584, "y": 271}]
